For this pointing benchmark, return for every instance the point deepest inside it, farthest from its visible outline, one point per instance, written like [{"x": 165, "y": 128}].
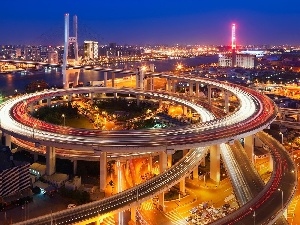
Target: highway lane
[
  {"x": 123, "y": 200},
  {"x": 252, "y": 181},
  {"x": 154, "y": 139},
  {"x": 268, "y": 203},
  {"x": 255, "y": 113}
]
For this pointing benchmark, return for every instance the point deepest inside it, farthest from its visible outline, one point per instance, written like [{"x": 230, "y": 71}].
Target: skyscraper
[{"x": 90, "y": 49}]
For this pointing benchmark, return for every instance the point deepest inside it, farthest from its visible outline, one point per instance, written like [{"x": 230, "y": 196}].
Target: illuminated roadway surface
[
  {"x": 255, "y": 113},
  {"x": 248, "y": 119}
]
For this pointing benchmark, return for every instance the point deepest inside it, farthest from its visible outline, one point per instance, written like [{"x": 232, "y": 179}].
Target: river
[{"x": 9, "y": 83}]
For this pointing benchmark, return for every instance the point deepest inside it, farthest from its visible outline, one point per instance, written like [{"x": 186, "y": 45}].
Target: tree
[{"x": 35, "y": 86}]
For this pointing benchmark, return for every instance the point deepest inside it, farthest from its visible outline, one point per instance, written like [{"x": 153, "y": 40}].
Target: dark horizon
[{"x": 141, "y": 22}]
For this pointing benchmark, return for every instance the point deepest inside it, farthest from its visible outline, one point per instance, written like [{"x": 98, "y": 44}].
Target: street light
[
  {"x": 281, "y": 137},
  {"x": 34, "y": 125},
  {"x": 63, "y": 116},
  {"x": 253, "y": 215},
  {"x": 281, "y": 199}
]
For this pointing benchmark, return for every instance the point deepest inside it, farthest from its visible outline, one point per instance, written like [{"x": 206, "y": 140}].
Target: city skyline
[{"x": 136, "y": 22}]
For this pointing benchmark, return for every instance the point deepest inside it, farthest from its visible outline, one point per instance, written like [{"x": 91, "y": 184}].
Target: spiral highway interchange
[{"x": 255, "y": 113}]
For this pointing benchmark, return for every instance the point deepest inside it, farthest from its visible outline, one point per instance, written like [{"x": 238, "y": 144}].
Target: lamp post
[
  {"x": 281, "y": 137},
  {"x": 253, "y": 215},
  {"x": 64, "y": 117},
  {"x": 33, "y": 127},
  {"x": 281, "y": 200}
]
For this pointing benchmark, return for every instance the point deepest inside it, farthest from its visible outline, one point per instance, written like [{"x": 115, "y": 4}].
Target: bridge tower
[{"x": 73, "y": 53}]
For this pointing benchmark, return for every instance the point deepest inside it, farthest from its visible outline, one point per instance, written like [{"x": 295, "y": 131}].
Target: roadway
[
  {"x": 125, "y": 199},
  {"x": 255, "y": 113},
  {"x": 248, "y": 119},
  {"x": 270, "y": 203}
]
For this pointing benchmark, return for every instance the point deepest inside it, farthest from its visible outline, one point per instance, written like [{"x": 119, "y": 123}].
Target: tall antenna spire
[{"x": 233, "y": 38}]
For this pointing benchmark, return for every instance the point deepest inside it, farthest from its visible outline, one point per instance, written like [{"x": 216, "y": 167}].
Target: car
[{"x": 70, "y": 206}]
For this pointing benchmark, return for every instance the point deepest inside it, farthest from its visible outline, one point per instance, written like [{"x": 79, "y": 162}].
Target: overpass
[{"x": 255, "y": 113}]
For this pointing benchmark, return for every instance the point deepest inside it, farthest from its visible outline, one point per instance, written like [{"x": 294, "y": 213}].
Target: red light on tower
[{"x": 233, "y": 39}]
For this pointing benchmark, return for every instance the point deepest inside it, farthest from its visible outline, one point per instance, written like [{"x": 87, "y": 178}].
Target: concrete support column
[
  {"x": 270, "y": 163},
  {"x": 249, "y": 147},
  {"x": 195, "y": 173},
  {"x": 182, "y": 186},
  {"x": 91, "y": 95},
  {"x": 50, "y": 160},
  {"x": 48, "y": 102},
  {"x": 215, "y": 163},
  {"x": 70, "y": 97},
  {"x": 152, "y": 84},
  {"x": 138, "y": 100},
  {"x": 76, "y": 78},
  {"x": 298, "y": 117},
  {"x": 115, "y": 95},
  {"x": 7, "y": 140},
  {"x": 113, "y": 77},
  {"x": 184, "y": 110},
  {"x": 209, "y": 94},
  {"x": 150, "y": 164},
  {"x": 35, "y": 157},
  {"x": 74, "y": 167},
  {"x": 191, "y": 89},
  {"x": 160, "y": 103},
  {"x": 161, "y": 201},
  {"x": 162, "y": 161},
  {"x": 31, "y": 108},
  {"x": 133, "y": 214},
  {"x": 169, "y": 87},
  {"x": 174, "y": 86},
  {"x": 137, "y": 81},
  {"x": 103, "y": 170},
  {"x": 148, "y": 84},
  {"x": 226, "y": 98},
  {"x": 142, "y": 74},
  {"x": 169, "y": 160},
  {"x": 105, "y": 79},
  {"x": 152, "y": 67},
  {"x": 197, "y": 89}
]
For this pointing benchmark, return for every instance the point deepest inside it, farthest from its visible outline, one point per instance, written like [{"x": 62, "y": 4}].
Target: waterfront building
[
  {"x": 241, "y": 60},
  {"x": 91, "y": 50},
  {"x": 53, "y": 57}
]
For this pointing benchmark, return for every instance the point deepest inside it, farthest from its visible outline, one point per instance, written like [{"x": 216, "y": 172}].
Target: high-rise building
[
  {"x": 53, "y": 57},
  {"x": 91, "y": 50},
  {"x": 32, "y": 53},
  {"x": 242, "y": 60},
  {"x": 14, "y": 175}
]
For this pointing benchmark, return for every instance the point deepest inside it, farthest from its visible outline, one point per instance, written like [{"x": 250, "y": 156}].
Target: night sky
[{"x": 152, "y": 22}]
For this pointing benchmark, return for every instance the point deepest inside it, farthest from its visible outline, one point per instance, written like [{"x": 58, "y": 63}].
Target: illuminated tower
[
  {"x": 70, "y": 48},
  {"x": 65, "y": 58},
  {"x": 75, "y": 33},
  {"x": 233, "y": 45}
]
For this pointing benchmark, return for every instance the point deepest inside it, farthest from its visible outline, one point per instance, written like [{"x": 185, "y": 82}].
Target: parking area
[{"x": 205, "y": 213}]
